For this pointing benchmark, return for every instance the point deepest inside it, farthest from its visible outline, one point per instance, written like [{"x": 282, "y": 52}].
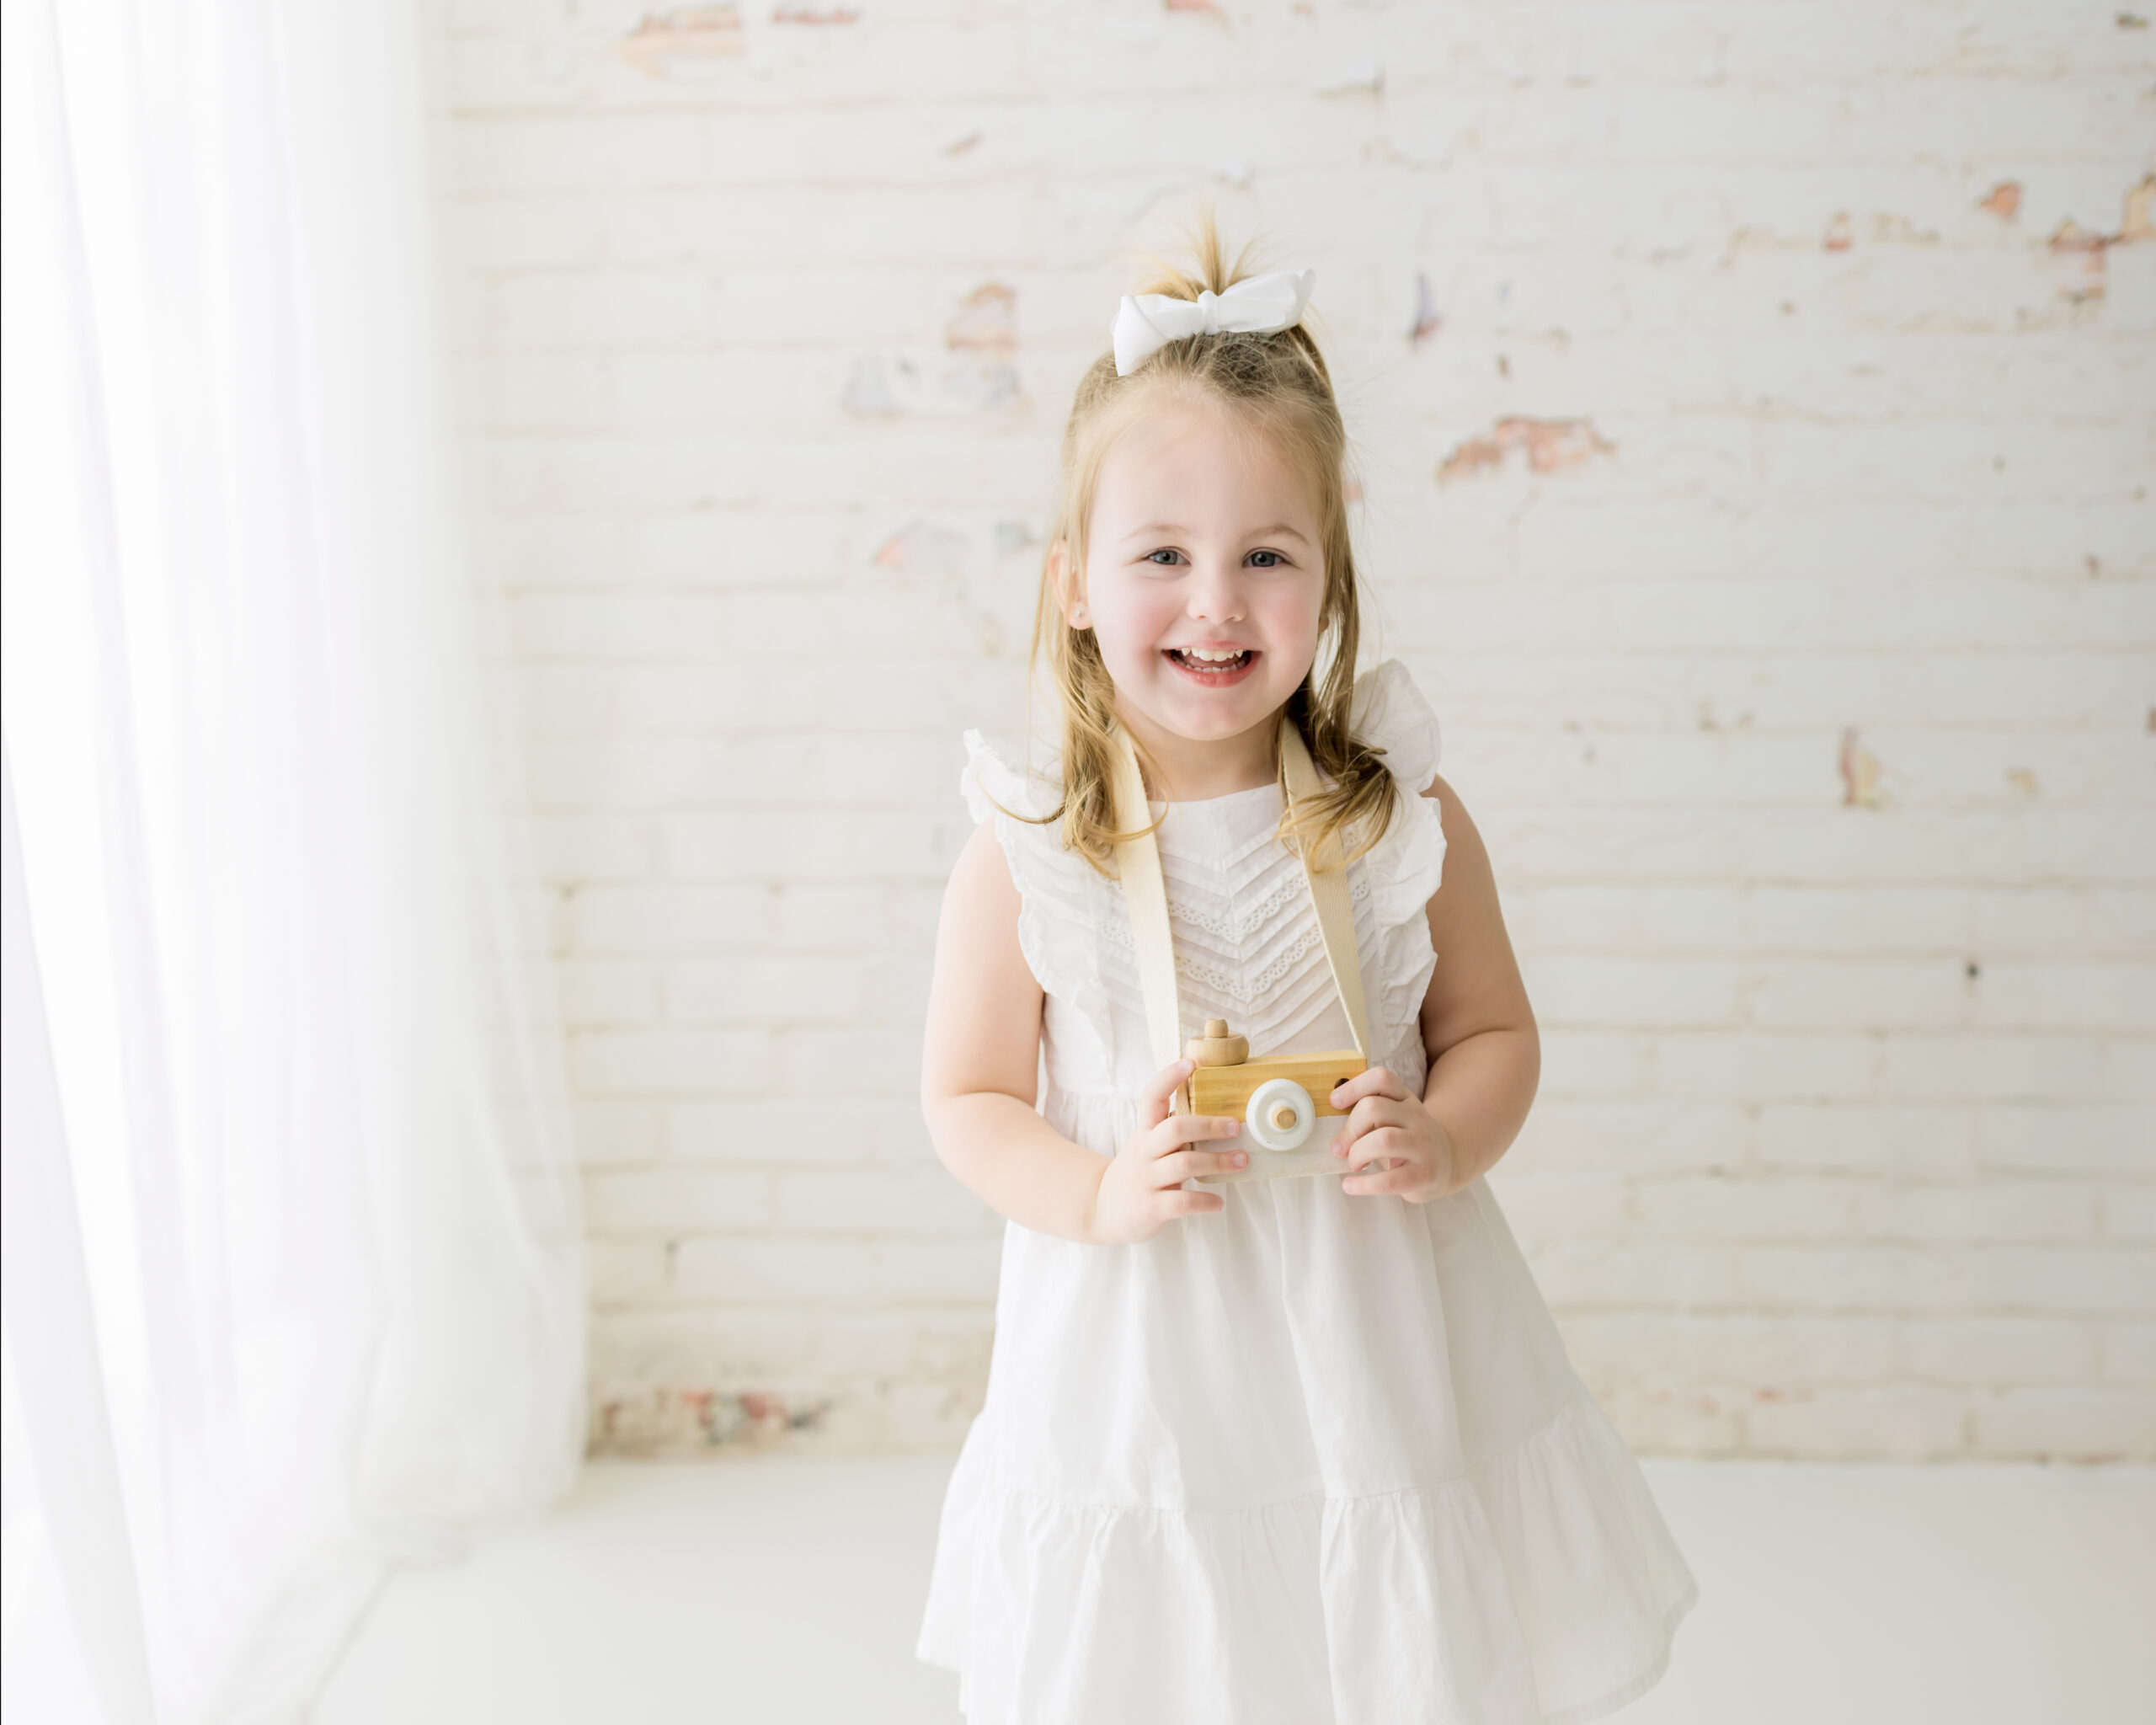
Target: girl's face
[{"x": 1205, "y": 574}]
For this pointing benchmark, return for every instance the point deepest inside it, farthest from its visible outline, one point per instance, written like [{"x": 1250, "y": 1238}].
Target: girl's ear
[{"x": 1070, "y": 595}]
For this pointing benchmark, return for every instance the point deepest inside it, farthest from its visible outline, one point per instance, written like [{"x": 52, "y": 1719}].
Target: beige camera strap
[{"x": 1145, "y": 894}]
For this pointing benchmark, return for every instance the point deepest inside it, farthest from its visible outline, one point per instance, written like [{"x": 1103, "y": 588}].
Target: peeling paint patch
[
  {"x": 1885, "y": 228},
  {"x": 2004, "y": 200},
  {"x": 1426, "y": 320},
  {"x": 2085, "y": 248},
  {"x": 959, "y": 147},
  {"x": 1840, "y": 235},
  {"x": 1551, "y": 446},
  {"x": 868, "y": 393},
  {"x": 2023, "y": 780},
  {"x": 816, "y": 15},
  {"x": 1193, "y": 5},
  {"x": 921, "y": 547},
  {"x": 982, "y": 386},
  {"x": 2074, "y": 242},
  {"x": 668, "y": 44},
  {"x": 989, "y": 319},
  {"x": 985, "y": 333},
  {"x": 1861, "y": 773},
  {"x": 670, "y": 1420},
  {"x": 2138, "y": 221}
]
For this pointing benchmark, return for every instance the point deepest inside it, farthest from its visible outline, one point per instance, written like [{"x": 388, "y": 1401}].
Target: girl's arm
[
  {"x": 1486, "y": 1055},
  {"x": 979, "y": 1064}
]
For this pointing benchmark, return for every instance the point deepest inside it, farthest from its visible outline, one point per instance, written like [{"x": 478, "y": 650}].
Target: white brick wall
[{"x": 1789, "y": 596}]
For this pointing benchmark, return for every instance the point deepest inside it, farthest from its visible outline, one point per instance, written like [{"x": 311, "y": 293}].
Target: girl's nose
[{"x": 1216, "y": 597}]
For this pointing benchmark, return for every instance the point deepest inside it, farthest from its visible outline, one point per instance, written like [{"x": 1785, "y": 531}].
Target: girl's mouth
[{"x": 1213, "y": 668}]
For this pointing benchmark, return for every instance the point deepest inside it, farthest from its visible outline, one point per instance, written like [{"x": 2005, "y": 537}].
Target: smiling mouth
[{"x": 1211, "y": 666}]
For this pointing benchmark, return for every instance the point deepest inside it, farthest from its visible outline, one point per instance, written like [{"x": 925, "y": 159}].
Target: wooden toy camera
[{"x": 1279, "y": 1098}]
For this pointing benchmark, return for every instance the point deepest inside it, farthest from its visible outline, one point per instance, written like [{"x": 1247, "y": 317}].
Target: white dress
[{"x": 1317, "y": 1460}]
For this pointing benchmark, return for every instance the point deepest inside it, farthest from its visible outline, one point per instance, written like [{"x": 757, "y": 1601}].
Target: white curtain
[{"x": 291, "y": 1253}]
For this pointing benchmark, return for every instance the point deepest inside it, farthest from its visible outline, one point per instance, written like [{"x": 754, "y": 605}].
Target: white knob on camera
[{"x": 1279, "y": 1115}]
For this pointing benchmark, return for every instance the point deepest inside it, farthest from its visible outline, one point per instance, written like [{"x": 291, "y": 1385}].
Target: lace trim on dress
[
  {"x": 1256, "y": 987},
  {"x": 1253, "y": 918}
]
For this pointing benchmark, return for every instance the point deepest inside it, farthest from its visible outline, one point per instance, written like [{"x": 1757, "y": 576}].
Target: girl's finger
[
  {"x": 1392, "y": 1184},
  {"x": 1384, "y": 1142},
  {"x": 1370, "y": 1183},
  {"x": 1373, "y": 1081},
  {"x": 1371, "y": 1114},
  {"x": 1185, "y": 1164},
  {"x": 1191, "y": 1204},
  {"x": 1170, "y": 1134},
  {"x": 1153, "y": 1099}
]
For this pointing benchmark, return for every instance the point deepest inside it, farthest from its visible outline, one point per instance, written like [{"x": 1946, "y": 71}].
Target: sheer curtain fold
[{"x": 269, "y": 938}]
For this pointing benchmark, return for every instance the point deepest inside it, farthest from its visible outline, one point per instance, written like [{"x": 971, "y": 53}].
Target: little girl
[{"x": 1257, "y": 1451}]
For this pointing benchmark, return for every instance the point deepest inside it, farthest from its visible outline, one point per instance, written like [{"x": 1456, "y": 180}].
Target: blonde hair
[{"x": 1279, "y": 384}]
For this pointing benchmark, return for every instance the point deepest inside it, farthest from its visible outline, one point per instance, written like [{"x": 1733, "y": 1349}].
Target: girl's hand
[
  {"x": 1139, "y": 1190},
  {"x": 1388, "y": 1126}
]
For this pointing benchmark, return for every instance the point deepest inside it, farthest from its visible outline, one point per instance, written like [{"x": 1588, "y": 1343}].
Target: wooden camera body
[{"x": 1282, "y": 1100}]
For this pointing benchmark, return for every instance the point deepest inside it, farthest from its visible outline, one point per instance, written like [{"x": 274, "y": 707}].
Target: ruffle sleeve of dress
[
  {"x": 1406, "y": 865},
  {"x": 1063, "y": 899}
]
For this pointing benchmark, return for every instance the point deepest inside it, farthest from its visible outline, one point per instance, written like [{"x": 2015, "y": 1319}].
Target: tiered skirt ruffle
[{"x": 1539, "y": 1588}]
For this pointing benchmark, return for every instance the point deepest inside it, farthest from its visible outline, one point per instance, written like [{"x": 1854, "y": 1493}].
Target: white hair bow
[{"x": 1146, "y": 323}]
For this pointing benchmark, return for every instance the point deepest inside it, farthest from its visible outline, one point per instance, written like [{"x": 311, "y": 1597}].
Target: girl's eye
[
  {"x": 1164, "y": 557},
  {"x": 1266, "y": 560}
]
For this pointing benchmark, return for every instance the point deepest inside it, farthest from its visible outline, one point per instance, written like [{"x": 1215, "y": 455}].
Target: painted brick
[
  {"x": 1998, "y": 1351},
  {"x": 1896, "y": 1425},
  {"x": 1763, "y": 1068},
  {"x": 1749, "y": 1208},
  {"x": 1730, "y": 1349},
  {"x": 1590, "y": 1133},
  {"x": 1992, "y": 1209},
  {"x": 2063, "y": 1135},
  {"x": 1889, "y": 1140},
  {"x": 616, "y": 1129},
  {"x": 2129, "y": 1212},
  {"x": 870, "y": 1202},
  {"x": 673, "y": 1202},
  {"x": 1662, "y": 991},
  {"x": 781, "y": 1131},
  {"x": 2129, "y": 1351},
  {"x": 672, "y": 1062},
  {"x": 2070, "y": 1425}
]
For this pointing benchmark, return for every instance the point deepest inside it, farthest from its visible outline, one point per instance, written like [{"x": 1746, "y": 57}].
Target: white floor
[{"x": 787, "y": 1590}]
